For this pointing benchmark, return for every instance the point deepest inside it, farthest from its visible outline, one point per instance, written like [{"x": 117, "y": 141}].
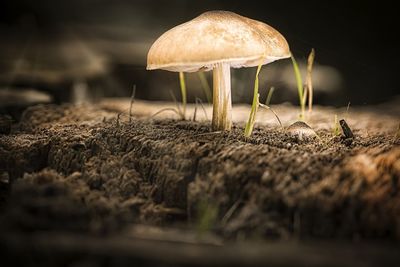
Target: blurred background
[{"x": 80, "y": 51}]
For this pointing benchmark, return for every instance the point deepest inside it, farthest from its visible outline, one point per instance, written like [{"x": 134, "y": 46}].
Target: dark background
[{"x": 357, "y": 38}]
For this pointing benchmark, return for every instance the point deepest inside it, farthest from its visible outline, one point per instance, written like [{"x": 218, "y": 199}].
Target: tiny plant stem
[
  {"x": 305, "y": 95},
  {"x": 131, "y": 103},
  {"x": 183, "y": 93},
  {"x": 205, "y": 85},
  {"x": 347, "y": 111},
  {"x": 276, "y": 115},
  {"x": 310, "y": 63},
  {"x": 252, "y": 118},
  {"x": 199, "y": 101},
  {"x": 269, "y": 96},
  {"x": 336, "y": 130},
  {"x": 300, "y": 88},
  {"x": 222, "y": 104}
]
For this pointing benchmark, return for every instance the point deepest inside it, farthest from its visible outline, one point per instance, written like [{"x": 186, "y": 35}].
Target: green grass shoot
[
  {"x": 206, "y": 87},
  {"x": 336, "y": 126},
  {"x": 300, "y": 88},
  {"x": 131, "y": 102},
  {"x": 206, "y": 216},
  {"x": 269, "y": 96},
  {"x": 254, "y": 107},
  {"x": 309, "y": 85},
  {"x": 346, "y": 115},
  {"x": 183, "y": 93}
]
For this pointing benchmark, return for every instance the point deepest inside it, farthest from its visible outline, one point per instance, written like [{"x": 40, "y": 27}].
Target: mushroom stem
[{"x": 222, "y": 104}]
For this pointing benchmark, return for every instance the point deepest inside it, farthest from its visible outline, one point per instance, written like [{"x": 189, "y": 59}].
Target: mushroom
[{"x": 217, "y": 40}]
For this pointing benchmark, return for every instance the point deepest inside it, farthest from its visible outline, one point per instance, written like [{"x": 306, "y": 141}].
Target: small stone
[
  {"x": 301, "y": 131},
  {"x": 346, "y": 129}
]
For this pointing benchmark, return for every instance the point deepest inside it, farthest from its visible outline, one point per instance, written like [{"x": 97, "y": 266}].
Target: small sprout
[
  {"x": 309, "y": 85},
  {"x": 131, "y": 103},
  {"x": 206, "y": 216},
  {"x": 252, "y": 117},
  {"x": 254, "y": 107},
  {"x": 183, "y": 94},
  {"x": 336, "y": 126},
  {"x": 301, "y": 131},
  {"x": 199, "y": 102},
  {"x": 269, "y": 96},
  {"x": 346, "y": 116},
  {"x": 206, "y": 87},
  {"x": 307, "y": 89},
  {"x": 300, "y": 88}
]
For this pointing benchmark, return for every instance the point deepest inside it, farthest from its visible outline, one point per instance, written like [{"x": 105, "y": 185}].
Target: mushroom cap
[{"x": 217, "y": 37}]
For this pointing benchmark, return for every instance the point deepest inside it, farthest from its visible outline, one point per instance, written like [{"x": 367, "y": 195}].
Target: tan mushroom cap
[{"x": 215, "y": 37}]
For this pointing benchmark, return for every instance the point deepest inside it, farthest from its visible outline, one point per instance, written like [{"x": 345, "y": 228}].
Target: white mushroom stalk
[
  {"x": 217, "y": 40},
  {"x": 222, "y": 103}
]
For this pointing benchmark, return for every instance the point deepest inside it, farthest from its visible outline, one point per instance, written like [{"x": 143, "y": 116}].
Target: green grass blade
[
  {"x": 252, "y": 118},
  {"x": 336, "y": 126},
  {"x": 310, "y": 63},
  {"x": 207, "y": 215},
  {"x": 206, "y": 87},
  {"x": 269, "y": 96},
  {"x": 300, "y": 88},
  {"x": 183, "y": 93}
]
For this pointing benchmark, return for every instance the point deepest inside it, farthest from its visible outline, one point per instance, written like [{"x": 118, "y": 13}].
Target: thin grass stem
[
  {"x": 269, "y": 96},
  {"x": 206, "y": 86},
  {"x": 183, "y": 93},
  {"x": 250, "y": 123},
  {"x": 310, "y": 89},
  {"x": 300, "y": 88}
]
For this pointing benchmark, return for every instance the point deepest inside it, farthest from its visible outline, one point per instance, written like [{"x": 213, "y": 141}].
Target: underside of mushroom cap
[{"x": 217, "y": 37}]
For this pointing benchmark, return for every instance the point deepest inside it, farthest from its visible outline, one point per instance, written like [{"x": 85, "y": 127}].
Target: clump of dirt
[{"x": 85, "y": 169}]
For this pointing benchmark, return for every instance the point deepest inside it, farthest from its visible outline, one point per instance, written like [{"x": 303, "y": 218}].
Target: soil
[{"x": 87, "y": 185}]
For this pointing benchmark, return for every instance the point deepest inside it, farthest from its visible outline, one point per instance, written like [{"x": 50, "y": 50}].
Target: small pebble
[{"x": 301, "y": 131}]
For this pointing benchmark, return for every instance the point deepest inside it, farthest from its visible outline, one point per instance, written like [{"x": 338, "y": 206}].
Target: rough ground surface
[{"x": 80, "y": 171}]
